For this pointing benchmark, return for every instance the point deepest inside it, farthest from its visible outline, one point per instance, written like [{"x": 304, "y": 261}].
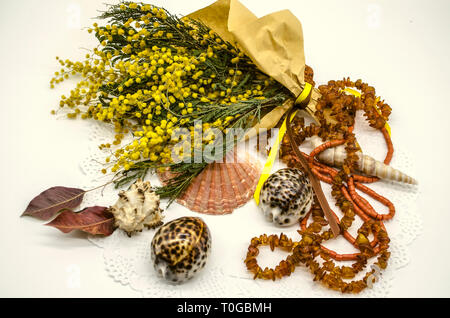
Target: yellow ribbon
[
  {"x": 358, "y": 94},
  {"x": 274, "y": 150},
  {"x": 304, "y": 95}
]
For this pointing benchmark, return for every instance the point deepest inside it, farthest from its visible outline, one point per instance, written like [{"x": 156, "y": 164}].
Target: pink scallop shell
[{"x": 222, "y": 186}]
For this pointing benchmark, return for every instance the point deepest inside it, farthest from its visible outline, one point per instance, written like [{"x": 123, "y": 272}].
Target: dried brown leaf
[
  {"x": 95, "y": 220},
  {"x": 47, "y": 204}
]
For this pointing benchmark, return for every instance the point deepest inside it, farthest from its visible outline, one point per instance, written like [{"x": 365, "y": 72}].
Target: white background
[{"x": 400, "y": 47}]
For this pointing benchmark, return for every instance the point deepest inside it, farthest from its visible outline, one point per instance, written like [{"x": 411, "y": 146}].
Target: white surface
[{"x": 399, "y": 47}]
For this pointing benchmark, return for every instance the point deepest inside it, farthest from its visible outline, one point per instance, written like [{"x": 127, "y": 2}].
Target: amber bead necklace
[{"x": 344, "y": 182}]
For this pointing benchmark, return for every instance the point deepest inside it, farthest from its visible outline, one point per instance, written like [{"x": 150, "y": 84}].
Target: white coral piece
[{"x": 137, "y": 208}]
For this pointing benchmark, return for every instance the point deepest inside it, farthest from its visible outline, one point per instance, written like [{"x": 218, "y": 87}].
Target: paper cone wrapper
[{"x": 274, "y": 43}]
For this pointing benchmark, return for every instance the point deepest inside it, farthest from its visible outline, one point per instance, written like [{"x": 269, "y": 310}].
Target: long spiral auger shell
[{"x": 366, "y": 164}]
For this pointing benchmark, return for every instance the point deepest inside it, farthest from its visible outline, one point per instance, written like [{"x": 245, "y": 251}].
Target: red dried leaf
[
  {"x": 47, "y": 204},
  {"x": 94, "y": 220}
]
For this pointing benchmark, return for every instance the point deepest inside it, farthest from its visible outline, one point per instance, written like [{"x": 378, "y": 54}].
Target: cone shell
[{"x": 222, "y": 186}]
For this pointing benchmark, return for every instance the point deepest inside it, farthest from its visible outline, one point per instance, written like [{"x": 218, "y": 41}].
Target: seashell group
[
  {"x": 222, "y": 186},
  {"x": 137, "y": 208},
  {"x": 180, "y": 249},
  {"x": 286, "y": 196}
]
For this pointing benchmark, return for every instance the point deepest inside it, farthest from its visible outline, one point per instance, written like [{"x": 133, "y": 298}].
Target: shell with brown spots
[{"x": 180, "y": 249}]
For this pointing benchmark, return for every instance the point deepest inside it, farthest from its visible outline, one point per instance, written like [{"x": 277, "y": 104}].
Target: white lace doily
[{"x": 127, "y": 260}]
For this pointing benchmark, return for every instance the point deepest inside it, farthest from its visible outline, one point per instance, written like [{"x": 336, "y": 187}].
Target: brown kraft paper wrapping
[{"x": 273, "y": 42}]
